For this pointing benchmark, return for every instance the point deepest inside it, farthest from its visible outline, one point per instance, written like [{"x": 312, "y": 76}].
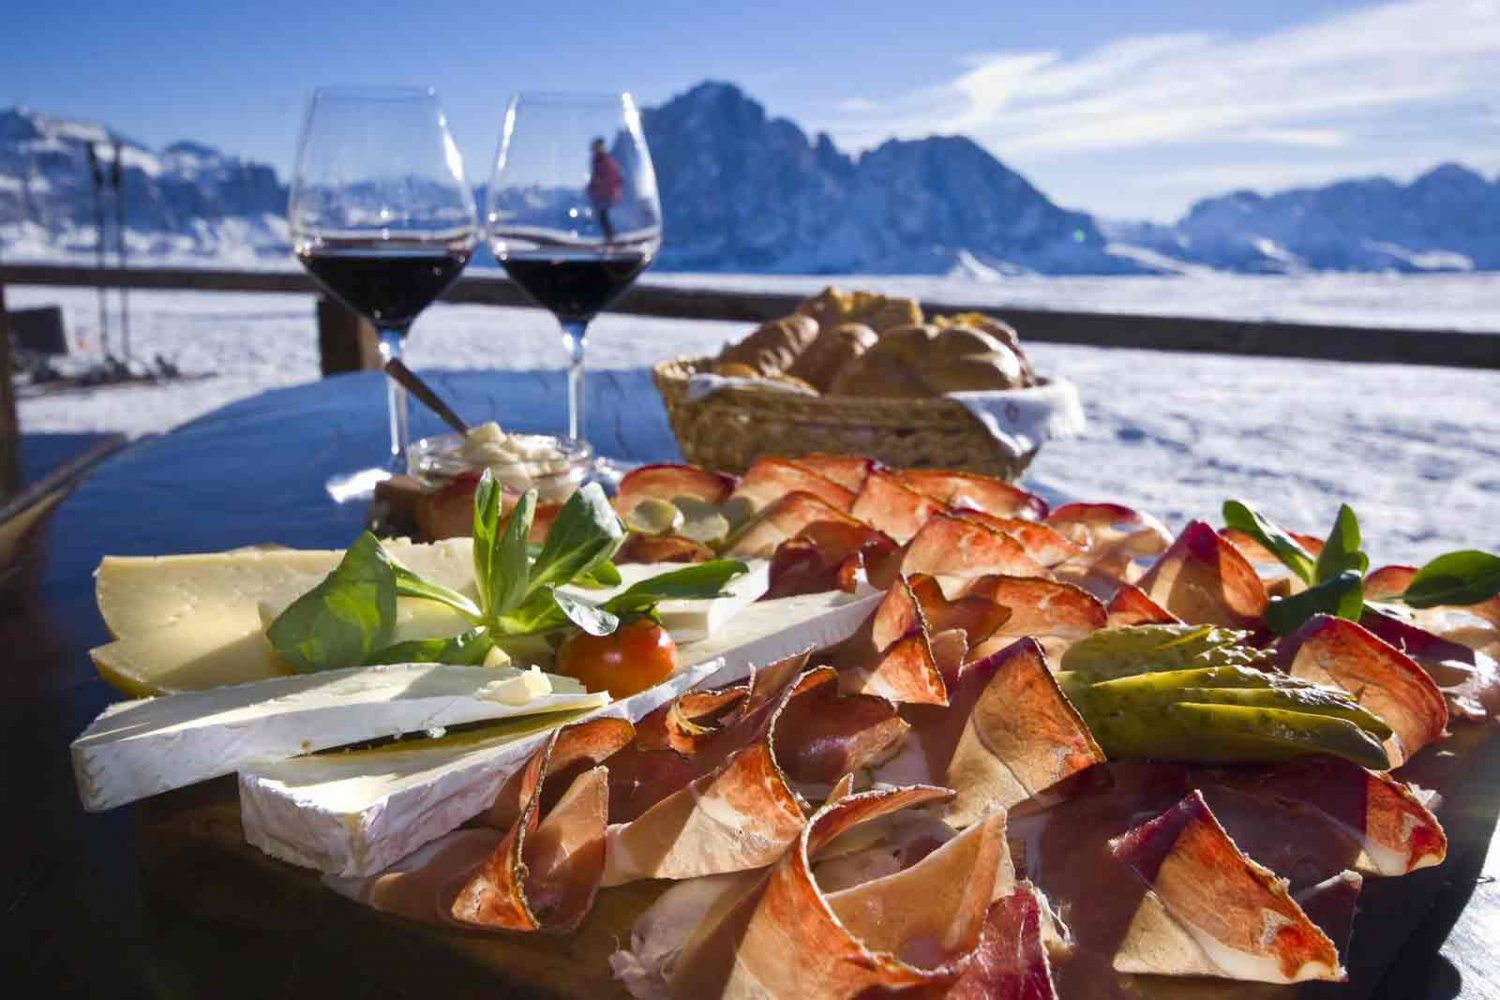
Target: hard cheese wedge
[
  {"x": 140, "y": 748},
  {"x": 356, "y": 818},
  {"x": 192, "y": 622}
]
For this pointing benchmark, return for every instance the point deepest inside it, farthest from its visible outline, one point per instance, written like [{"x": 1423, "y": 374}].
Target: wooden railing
[{"x": 1452, "y": 348}]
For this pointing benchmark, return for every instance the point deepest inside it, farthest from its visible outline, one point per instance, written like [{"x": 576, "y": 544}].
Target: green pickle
[{"x": 1122, "y": 652}]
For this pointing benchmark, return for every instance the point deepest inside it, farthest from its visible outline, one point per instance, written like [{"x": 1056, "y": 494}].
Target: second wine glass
[{"x": 573, "y": 213}]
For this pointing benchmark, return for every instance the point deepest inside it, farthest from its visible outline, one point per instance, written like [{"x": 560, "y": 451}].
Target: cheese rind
[
  {"x": 140, "y": 748},
  {"x": 316, "y": 812}
]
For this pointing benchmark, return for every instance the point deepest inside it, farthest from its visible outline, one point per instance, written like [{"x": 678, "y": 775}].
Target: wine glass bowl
[
  {"x": 572, "y": 212},
  {"x": 381, "y": 215}
]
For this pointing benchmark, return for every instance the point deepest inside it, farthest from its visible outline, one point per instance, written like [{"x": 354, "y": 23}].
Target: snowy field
[{"x": 1415, "y": 450}]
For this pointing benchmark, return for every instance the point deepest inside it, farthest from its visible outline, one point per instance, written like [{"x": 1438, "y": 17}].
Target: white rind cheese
[
  {"x": 350, "y": 819},
  {"x": 344, "y": 817},
  {"x": 140, "y": 748}
]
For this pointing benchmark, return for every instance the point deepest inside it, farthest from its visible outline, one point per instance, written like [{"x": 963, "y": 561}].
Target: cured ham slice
[
  {"x": 1211, "y": 911},
  {"x": 1331, "y": 904},
  {"x": 1010, "y": 962},
  {"x": 1379, "y": 676},
  {"x": 789, "y": 515},
  {"x": 1045, "y": 544},
  {"x": 738, "y": 810},
  {"x": 886, "y": 503},
  {"x": 1131, "y": 606},
  {"x": 1020, "y": 738},
  {"x": 668, "y": 482},
  {"x": 1116, "y": 540},
  {"x": 976, "y": 615},
  {"x": 545, "y": 871},
  {"x": 1259, "y": 554},
  {"x": 769, "y": 479},
  {"x": 1008, "y": 735},
  {"x": 423, "y": 885},
  {"x": 848, "y": 471},
  {"x": 969, "y": 489},
  {"x": 1474, "y": 625},
  {"x": 822, "y": 735},
  {"x": 951, "y": 547},
  {"x": 828, "y": 555},
  {"x": 1055, "y": 614},
  {"x": 785, "y": 937},
  {"x": 1204, "y": 580},
  {"x": 890, "y": 655},
  {"x": 1392, "y": 831},
  {"x": 1468, "y": 678},
  {"x": 640, "y": 548}
]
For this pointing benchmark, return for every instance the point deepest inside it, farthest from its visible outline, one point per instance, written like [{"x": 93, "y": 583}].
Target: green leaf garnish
[
  {"x": 590, "y": 617},
  {"x": 1243, "y": 517},
  {"x": 587, "y": 532},
  {"x": 468, "y": 649},
  {"x": 605, "y": 574},
  {"x": 488, "y": 499},
  {"x": 1341, "y": 552},
  {"x": 409, "y": 584},
  {"x": 1456, "y": 578},
  {"x": 344, "y": 619},
  {"x": 509, "y": 567},
  {"x": 1342, "y": 595},
  {"x": 701, "y": 581}
]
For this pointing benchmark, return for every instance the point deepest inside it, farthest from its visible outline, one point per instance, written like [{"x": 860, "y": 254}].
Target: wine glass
[
  {"x": 382, "y": 217},
  {"x": 573, "y": 213}
]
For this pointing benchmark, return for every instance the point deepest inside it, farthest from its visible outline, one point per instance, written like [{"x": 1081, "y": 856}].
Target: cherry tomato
[{"x": 638, "y": 655}]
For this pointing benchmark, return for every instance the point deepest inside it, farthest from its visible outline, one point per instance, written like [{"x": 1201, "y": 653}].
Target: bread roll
[
  {"x": 1000, "y": 330},
  {"x": 832, "y": 308},
  {"x": 831, "y": 352},
  {"x": 928, "y": 360},
  {"x": 773, "y": 347}
]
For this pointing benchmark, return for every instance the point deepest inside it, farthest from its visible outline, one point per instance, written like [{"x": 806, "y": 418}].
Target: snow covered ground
[{"x": 1415, "y": 450}]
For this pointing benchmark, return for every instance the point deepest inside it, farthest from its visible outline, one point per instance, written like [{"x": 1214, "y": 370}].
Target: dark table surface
[{"x": 253, "y": 472}]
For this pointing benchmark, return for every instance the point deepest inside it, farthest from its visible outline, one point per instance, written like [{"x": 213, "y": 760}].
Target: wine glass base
[{"x": 356, "y": 487}]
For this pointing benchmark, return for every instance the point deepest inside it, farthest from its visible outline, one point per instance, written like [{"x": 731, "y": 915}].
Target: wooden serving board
[{"x": 223, "y": 919}]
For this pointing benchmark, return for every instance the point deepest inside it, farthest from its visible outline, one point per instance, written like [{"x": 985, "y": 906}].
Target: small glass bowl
[{"x": 438, "y": 460}]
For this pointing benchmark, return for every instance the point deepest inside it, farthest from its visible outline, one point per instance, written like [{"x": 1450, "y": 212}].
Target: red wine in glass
[
  {"x": 574, "y": 287},
  {"x": 391, "y": 284}
]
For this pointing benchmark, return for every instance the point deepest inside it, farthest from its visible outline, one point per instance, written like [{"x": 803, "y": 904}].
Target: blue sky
[{"x": 1126, "y": 109}]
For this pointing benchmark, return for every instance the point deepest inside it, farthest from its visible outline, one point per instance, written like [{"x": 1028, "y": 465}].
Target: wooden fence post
[
  {"x": 347, "y": 342},
  {"x": 10, "y": 424}
]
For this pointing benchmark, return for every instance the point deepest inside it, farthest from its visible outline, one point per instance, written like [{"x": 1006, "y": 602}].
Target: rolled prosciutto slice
[
  {"x": 848, "y": 471},
  {"x": 769, "y": 479},
  {"x": 1468, "y": 678},
  {"x": 829, "y": 555},
  {"x": 1055, "y": 614},
  {"x": 668, "y": 482},
  {"x": 640, "y": 548},
  {"x": 1204, "y": 580},
  {"x": 1392, "y": 831},
  {"x": 954, "y": 549},
  {"x": 545, "y": 872},
  {"x": 1131, "y": 606},
  {"x": 1341, "y": 654},
  {"x": 1210, "y": 910},
  {"x": 1114, "y": 539},
  {"x": 786, "y": 937},
  {"x": 787, "y": 516},
  {"x": 1008, "y": 735},
  {"x": 970, "y": 489},
  {"x": 539, "y": 870},
  {"x": 890, "y": 656},
  {"x": 886, "y": 503},
  {"x": 1010, "y": 962},
  {"x": 1042, "y": 542}
]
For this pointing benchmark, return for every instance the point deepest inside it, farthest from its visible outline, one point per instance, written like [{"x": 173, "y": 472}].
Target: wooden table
[{"x": 252, "y": 472}]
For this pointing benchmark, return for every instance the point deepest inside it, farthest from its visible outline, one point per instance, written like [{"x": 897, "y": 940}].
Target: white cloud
[{"x": 1363, "y": 83}]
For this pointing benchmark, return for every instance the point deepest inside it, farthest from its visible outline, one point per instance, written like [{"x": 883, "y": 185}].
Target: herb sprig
[
  {"x": 1335, "y": 579},
  {"x": 350, "y": 617}
]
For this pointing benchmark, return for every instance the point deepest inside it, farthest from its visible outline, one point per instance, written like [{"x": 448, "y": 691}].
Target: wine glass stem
[
  {"x": 575, "y": 336},
  {"x": 390, "y": 348}
]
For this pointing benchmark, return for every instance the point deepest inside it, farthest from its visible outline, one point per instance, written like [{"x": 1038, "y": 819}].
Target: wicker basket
[{"x": 731, "y": 428}]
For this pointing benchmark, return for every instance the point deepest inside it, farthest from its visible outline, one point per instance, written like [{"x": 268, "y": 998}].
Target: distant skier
[{"x": 606, "y": 187}]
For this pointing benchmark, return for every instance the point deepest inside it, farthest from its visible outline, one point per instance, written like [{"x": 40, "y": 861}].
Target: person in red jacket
[{"x": 606, "y": 187}]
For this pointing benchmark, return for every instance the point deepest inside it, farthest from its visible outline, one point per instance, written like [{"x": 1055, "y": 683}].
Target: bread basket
[{"x": 730, "y": 428}]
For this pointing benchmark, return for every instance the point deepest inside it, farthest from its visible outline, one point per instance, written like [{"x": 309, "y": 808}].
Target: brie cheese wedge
[{"x": 140, "y": 748}]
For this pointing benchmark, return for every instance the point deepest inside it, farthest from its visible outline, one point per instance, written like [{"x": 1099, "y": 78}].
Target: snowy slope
[{"x": 1414, "y": 449}]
